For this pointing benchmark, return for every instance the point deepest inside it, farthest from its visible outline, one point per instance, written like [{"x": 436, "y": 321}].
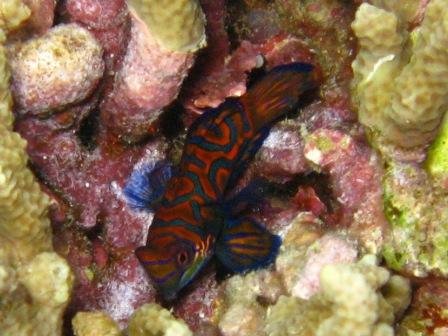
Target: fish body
[{"x": 191, "y": 221}]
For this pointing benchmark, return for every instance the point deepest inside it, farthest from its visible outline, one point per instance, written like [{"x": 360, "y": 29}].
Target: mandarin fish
[{"x": 193, "y": 217}]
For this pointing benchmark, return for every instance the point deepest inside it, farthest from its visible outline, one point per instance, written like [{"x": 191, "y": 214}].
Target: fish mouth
[
  {"x": 192, "y": 271},
  {"x": 170, "y": 293}
]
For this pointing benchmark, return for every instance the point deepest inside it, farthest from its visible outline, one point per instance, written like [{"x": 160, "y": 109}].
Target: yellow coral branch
[
  {"x": 177, "y": 25},
  {"x": 402, "y": 91},
  {"x": 35, "y": 283}
]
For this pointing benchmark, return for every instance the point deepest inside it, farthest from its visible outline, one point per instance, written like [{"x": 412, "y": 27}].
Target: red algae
[{"x": 427, "y": 314}]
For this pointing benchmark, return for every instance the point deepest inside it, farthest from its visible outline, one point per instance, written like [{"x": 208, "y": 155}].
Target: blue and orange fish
[{"x": 193, "y": 220}]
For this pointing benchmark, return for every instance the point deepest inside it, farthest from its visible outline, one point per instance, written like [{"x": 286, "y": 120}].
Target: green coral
[
  {"x": 437, "y": 160},
  {"x": 418, "y": 216}
]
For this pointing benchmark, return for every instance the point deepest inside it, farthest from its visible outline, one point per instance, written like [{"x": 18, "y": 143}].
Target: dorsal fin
[{"x": 278, "y": 92}]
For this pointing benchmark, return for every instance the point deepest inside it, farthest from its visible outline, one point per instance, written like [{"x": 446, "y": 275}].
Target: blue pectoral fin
[
  {"x": 147, "y": 184},
  {"x": 246, "y": 245}
]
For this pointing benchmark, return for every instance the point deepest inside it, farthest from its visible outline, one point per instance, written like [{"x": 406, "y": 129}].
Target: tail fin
[{"x": 278, "y": 92}]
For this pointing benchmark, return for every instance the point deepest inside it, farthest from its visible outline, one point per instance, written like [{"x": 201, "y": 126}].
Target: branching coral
[
  {"x": 35, "y": 285},
  {"x": 148, "y": 320},
  {"x": 177, "y": 25},
  {"x": 401, "y": 90},
  {"x": 350, "y": 303},
  {"x": 12, "y": 14},
  {"x": 353, "y": 299}
]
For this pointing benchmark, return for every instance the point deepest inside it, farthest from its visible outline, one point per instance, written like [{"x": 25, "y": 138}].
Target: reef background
[{"x": 352, "y": 200}]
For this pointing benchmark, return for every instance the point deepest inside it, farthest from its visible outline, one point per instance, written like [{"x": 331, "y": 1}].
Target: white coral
[{"x": 350, "y": 302}]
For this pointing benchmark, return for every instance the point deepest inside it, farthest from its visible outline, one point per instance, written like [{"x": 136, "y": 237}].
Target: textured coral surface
[
  {"x": 35, "y": 283},
  {"x": 102, "y": 88}
]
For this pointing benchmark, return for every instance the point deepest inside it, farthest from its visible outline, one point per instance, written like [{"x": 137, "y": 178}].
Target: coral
[
  {"x": 355, "y": 175},
  {"x": 418, "y": 215},
  {"x": 107, "y": 20},
  {"x": 436, "y": 162},
  {"x": 55, "y": 70},
  {"x": 129, "y": 110},
  {"x": 12, "y": 14},
  {"x": 85, "y": 173},
  {"x": 85, "y": 151},
  {"x": 23, "y": 206},
  {"x": 94, "y": 324},
  {"x": 427, "y": 313},
  {"x": 176, "y": 25},
  {"x": 340, "y": 309},
  {"x": 401, "y": 91},
  {"x": 352, "y": 299},
  {"x": 303, "y": 254},
  {"x": 41, "y": 18},
  {"x": 405, "y": 11},
  {"x": 152, "y": 320},
  {"x": 35, "y": 284},
  {"x": 37, "y": 304}
]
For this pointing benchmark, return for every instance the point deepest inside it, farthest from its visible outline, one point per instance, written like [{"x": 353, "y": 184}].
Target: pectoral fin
[
  {"x": 147, "y": 184},
  {"x": 246, "y": 245}
]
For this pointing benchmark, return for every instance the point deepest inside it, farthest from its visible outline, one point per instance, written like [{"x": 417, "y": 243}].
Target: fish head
[{"x": 172, "y": 263}]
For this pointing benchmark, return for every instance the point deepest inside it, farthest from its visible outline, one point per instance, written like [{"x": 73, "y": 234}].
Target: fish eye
[{"x": 183, "y": 258}]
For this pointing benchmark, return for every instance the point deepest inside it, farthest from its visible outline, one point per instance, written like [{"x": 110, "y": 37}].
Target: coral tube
[
  {"x": 401, "y": 83},
  {"x": 163, "y": 38},
  {"x": 177, "y": 25}
]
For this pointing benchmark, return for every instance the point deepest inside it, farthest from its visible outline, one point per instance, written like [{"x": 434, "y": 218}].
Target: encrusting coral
[
  {"x": 153, "y": 320},
  {"x": 400, "y": 79},
  {"x": 94, "y": 324},
  {"x": 149, "y": 320},
  {"x": 50, "y": 72},
  {"x": 35, "y": 283}
]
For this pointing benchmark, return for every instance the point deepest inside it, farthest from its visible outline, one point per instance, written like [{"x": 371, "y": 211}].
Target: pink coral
[
  {"x": 149, "y": 79},
  {"x": 42, "y": 15},
  {"x": 329, "y": 249},
  {"x": 355, "y": 177}
]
